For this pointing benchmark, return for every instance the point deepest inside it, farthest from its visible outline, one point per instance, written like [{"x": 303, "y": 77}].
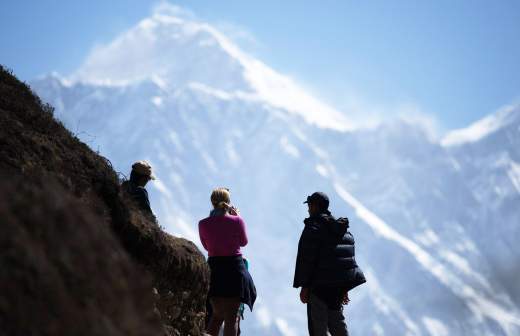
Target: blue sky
[{"x": 455, "y": 60}]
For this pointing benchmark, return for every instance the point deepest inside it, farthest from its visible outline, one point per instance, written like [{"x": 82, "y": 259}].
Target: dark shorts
[{"x": 230, "y": 278}]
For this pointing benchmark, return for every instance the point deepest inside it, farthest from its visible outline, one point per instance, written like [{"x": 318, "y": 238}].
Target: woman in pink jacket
[{"x": 222, "y": 234}]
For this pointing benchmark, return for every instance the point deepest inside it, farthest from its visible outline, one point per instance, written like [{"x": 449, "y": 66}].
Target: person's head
[
  {"x": 318, "y": 203},
  {"x": 221, "y": 198},
  {"x": 141, "y": 173}
]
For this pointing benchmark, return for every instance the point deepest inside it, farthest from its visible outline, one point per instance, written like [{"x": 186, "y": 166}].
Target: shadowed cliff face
[
  {"x": 58, "y": 244},
  {"x": 63, "y": 273}
]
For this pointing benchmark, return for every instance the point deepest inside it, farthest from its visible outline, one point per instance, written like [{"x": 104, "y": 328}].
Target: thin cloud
[{"x": 164, "y": 7}]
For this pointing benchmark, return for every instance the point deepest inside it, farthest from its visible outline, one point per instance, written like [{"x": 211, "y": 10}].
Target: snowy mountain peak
[
  {"x": 483, "y": 127},
  {"x": 167, "y": 47},
  {"x": 178, "y": 93},
  {"x": 178, "y": 50}
]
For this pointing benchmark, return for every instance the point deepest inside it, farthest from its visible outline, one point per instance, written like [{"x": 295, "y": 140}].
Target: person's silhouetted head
[
  {"x": 141, "y": 173},
  {"x": 318, "y": 203}
]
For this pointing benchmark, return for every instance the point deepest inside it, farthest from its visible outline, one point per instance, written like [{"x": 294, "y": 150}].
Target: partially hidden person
[
  {"x": 140, "y": 175},
  {"x": 223, "y": 234},
  {"x": 326, "y": 269}
]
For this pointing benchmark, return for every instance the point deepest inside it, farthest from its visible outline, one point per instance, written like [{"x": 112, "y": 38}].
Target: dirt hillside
[{"x": 77, "y": 256}]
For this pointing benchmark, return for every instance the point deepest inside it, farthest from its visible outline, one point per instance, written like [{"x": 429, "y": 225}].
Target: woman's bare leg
[
  {"x": 214, "y": 326},
  {"x": 230, "y": 318},
  {"x": 217, "y": 317},
  {"x": 224, "y": 310}
]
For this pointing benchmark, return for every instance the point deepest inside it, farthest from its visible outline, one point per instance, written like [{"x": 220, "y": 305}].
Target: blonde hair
[{"x": 221, "y": 198}]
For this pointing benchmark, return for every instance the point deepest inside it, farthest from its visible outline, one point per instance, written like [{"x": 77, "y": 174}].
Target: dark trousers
[{"x": 322, "y": 319}]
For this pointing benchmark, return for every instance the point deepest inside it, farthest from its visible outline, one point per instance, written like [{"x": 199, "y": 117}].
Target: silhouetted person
[
  {"x": 140, "y": 175},
  {"x": 325, "y": 268}
]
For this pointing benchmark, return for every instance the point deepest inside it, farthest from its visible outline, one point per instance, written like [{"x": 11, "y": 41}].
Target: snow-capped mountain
[{"x": 435, "y": 220}]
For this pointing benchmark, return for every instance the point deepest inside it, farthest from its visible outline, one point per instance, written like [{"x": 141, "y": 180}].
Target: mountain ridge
[
  {"x": 483, "y": 128},
  {"x": 287, "y": 140},
  {"x": 429, "y": 220}
]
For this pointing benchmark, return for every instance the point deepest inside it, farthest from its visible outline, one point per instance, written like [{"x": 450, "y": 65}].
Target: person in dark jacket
[
  {"x": 140, "y": 175},
  {"x": 326, "y": 269}
]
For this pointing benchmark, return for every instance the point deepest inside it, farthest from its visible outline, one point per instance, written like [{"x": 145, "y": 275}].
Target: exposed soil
[
  {"x": 62, "y": 273},
  {"x": 68, "y": 176}
]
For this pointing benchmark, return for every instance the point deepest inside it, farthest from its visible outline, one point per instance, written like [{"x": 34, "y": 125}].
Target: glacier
[{"x": 436, "y": 221}]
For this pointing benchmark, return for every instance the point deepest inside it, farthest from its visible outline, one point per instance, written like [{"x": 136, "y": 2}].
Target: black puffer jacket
[{"x": 326, "y": 254}]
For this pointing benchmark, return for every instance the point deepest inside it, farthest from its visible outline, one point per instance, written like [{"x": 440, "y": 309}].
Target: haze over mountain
[{"x": 436, "y": 220}]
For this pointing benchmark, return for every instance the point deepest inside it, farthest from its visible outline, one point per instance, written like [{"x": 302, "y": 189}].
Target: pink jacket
[{"x": 223, "y": 235}]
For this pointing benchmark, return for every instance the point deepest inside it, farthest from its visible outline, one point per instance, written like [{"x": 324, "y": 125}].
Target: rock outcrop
[{"x": 77, "y": 256}]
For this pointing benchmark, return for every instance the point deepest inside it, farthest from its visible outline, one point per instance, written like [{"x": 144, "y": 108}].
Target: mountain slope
[
  {"x": 492, "y": 169},
  {"x": 175, "y": 52},
  {"x": 65, "y": 272},
  {"x": 421, "y": 225}
]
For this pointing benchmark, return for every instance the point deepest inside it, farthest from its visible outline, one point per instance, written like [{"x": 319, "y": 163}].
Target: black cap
[{"x": 318, "y": 198}]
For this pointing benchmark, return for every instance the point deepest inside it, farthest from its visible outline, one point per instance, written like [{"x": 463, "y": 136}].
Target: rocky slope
[{"x": 77, "y": 257}]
